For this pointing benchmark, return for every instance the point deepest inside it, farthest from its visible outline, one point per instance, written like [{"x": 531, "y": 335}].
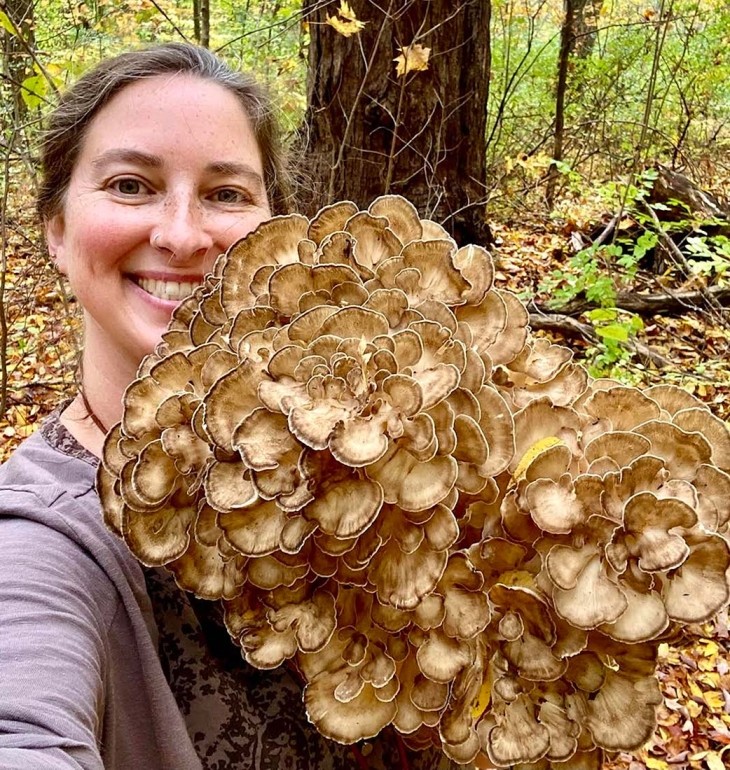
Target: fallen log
[
  {"x": 676, "y": 303},
  {"x": 571, "y": 328},
  {"x": 671, "y": 186}
]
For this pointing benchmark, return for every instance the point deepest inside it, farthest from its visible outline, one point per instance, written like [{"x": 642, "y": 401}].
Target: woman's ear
[{"x": 55, "y": 238}]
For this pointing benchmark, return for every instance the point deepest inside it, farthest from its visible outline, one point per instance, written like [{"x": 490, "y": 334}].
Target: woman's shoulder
[
  {"x": 51, "y": 456},
  {"x": 43, "y": 486},
  {"x": 49, "y": 502}
]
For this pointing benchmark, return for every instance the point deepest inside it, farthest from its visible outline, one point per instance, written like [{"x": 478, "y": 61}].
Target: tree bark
[
  {"x": 369, "y": 131},
  {"x": 17, "y": 63},
  {"x": 196, "y": 21},
  {"x": 204, "y": 6},
  {"x": 567, "y": 40},
  {"x": 585, "y": 26}
]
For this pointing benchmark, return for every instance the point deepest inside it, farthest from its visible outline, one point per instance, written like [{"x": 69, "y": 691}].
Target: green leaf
[
  {"x": 8, "y": 25},
  {"x": 636, "y": 324},
  {"x": 601, "y": 291},
  {"x": 617, "y": 332},
  {"x": 34, "y": 91},
  {"x": 603, "y": 314}
]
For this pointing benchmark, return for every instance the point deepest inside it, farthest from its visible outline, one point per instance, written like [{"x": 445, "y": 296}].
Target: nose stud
[{"x": 155, "y": 240}]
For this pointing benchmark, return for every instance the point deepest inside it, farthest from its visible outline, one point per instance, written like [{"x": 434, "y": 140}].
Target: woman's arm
[{"x": 52, "y": 651}]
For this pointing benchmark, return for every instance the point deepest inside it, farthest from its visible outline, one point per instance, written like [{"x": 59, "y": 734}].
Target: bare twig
[
  {"x": 169, "y": 20},
  {"x": 678, "y": 258},
  {"x": 32, "y": 53},
  {"x": 661, "y": 34}
]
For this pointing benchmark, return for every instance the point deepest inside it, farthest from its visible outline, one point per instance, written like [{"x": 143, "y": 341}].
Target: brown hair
[{"x": 68, "y": 123}]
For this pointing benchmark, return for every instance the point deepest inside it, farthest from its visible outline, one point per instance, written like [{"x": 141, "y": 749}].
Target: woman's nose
[{"x": 182, "y": 231}]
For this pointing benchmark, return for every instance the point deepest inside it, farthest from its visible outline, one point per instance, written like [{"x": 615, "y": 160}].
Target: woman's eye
[
  {"x": 128, "y": 186},
  {"x": 230, "y": 195}
]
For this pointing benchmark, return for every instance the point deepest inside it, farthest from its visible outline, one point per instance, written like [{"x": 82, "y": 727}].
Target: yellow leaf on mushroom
[{"x": 533, "y": 451}]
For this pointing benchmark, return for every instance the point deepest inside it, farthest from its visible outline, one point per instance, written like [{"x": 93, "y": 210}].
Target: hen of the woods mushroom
[{"x": 349, "y": 436}]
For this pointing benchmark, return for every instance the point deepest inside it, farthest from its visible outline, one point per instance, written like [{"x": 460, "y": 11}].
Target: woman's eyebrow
[
  {"x": 125, "y": 155},
  {"x": 139, "y": 158},
  {"x": 233, "y": 168}
]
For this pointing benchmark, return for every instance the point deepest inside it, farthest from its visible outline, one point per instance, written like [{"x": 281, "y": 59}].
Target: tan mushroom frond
[
  {"x": 350, "y": 437},
  {"x": 700, "y": 587},
  {"x": 517, "y": 737},
  {"x": 701, "y": 420},
  {"x": 330, "y": 219},
  {"x": 622, "y": 714},
  {"x": 272, "y": 243},
  {"x": 401, "y": 215}
]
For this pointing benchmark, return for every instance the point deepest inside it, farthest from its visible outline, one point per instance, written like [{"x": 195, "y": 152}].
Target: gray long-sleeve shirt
[
  {"x": 81, "y": 680},
  {"x": 81, "y": 685}
]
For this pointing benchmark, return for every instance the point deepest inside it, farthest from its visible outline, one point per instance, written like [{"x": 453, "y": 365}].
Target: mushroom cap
[
  {"x": 350, "y": 437},
  {"x": 701, "y": 586},
  {"x": 518, "y": 737},
  {"x": 621, "y": 716}
]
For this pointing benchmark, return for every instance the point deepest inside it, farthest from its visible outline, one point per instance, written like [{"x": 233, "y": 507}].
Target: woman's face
[{"x": 168, "y": 177}]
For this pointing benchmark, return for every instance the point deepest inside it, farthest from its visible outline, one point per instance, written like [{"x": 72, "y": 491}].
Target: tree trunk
[
  {"x": 585, "y": 26},
  {"x": 17, "y": 63},
  {"x": 567, "y": 39},
  {"x": 577, "y": 38},
  {"x": 204, "y": 6},
  {"x": 369, "y": 131},
  {"x": 196, "y": 21}
]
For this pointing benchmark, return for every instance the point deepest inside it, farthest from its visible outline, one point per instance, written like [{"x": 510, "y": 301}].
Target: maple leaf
[
  {"x": 346, "y": 23},
  {"x": 412, "y": 58}
]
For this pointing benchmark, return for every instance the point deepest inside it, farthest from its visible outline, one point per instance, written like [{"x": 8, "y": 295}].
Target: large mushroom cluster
[{"x": 349, "y": 436}]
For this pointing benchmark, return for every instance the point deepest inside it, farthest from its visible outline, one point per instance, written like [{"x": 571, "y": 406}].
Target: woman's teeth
[{"x": 170, "y": 290}]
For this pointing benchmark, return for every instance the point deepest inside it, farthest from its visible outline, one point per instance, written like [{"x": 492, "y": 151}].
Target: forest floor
[{"x": 694, "y": 720}]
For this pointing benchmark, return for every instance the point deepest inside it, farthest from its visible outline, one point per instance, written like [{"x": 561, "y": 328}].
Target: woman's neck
[
  {"x": 77, "y": 420},
  {"x": 99, "y": 405}
]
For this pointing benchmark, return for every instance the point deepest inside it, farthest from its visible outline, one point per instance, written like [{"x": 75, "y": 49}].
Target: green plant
[
  {"x": 614, "y": 328},
  {"x": 599, "y": 272},
  {"x": 709, "y": 255},
  {"x": 583, "y": 275}
]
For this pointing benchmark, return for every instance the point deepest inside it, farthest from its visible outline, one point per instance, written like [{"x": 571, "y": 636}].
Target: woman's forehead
[{"x": 176, "y": 114}]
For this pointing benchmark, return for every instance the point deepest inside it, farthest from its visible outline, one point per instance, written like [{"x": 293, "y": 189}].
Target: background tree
[
  {"x": 18, "y": 43},
  {"x": 585, "y": 25},
  {"x": 573, "y": 12},
  {"x": 204, "y": 22},
  {"x": 397, "y": 97}
]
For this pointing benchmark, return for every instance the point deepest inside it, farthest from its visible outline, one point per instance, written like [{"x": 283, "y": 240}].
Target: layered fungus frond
[{"x": 349, "y": 436}]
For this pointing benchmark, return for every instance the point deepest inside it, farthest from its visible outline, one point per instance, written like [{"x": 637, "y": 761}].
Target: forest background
[{"x": 585, "y": 142}]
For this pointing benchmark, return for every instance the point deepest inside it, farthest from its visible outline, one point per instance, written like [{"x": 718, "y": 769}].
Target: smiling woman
[
  {"x": 154, "y": 163},
  {"x": 158, "y": 190}
]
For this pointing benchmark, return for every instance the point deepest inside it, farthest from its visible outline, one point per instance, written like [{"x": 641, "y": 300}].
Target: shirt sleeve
[{"x": 53, "y": 650}]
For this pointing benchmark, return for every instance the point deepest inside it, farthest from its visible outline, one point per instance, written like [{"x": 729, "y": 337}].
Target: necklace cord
[{"x": 91, "y": 413}]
